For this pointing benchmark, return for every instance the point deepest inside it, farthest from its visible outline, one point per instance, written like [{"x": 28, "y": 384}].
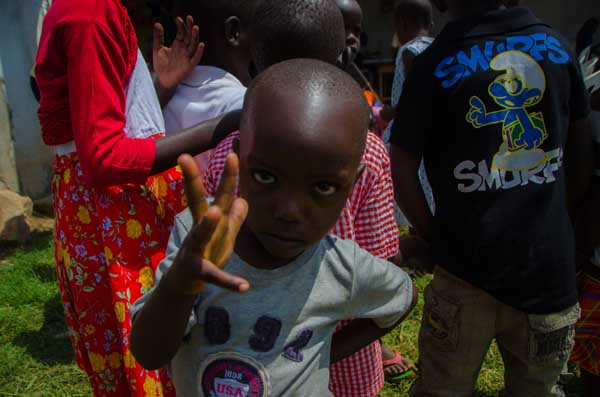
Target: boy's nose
[{"x": 287, "y": 210}]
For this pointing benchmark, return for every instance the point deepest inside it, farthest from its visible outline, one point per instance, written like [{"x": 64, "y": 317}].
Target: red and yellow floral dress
[{"x": 100, "y": 113}]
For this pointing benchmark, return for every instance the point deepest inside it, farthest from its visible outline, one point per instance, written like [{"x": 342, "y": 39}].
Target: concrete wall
[
  {"x": 8, "y": 167},
  {"x": 565, "y": 16},
  {"x": 18, "y": 19}
]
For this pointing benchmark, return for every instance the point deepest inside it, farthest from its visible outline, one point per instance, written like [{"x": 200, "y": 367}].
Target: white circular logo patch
[{"x": 233, "y": 375}]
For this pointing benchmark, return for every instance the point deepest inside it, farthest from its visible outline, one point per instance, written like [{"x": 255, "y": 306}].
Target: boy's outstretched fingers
[
  {"x": 212, "y": 238},
  {"x": 194, "y": 187},
  {"x": 158, "y": 41},
  {"x": 180, "y": 29},
  {"x": 226, "y": 190},
  {"x": 216, "y": 276},
  {"x": 234, "y": 211},
  {"x": 207, "y": 272}
]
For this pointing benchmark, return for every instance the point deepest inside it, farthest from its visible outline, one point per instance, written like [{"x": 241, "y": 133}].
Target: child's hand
[
  {"x": 172, "y": 65},
  {"x": 209, "y": 245},
  {"x": 477, "y": 113},
  {"x": 415, "y": 254}
]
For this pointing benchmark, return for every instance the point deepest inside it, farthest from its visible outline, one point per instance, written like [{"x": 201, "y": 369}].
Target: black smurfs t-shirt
[{"x": 489, "y": 106}]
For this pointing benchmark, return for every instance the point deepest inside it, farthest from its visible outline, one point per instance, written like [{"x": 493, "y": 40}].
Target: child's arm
[
  {"x": 160, "y": 325},
  {"x": 195, "y": 140},
  {"x": 415, "y": 254},
  {"x": 382, "y": 296},
  {"x": 409, "y": 192},
  {"x": 579, "y": 159},
  {"x": 579, "y": 153},
  {"x": 587, "y": 218},
  {"x": 362, "y": 332}
]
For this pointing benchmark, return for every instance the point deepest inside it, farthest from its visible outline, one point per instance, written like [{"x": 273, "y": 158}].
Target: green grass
[
  {"x": 35, "y": 353},
  {"x": 36, "y": 358}
]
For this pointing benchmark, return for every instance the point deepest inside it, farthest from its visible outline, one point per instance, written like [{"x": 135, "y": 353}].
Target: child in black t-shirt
[{"x": 498, "y": 110}]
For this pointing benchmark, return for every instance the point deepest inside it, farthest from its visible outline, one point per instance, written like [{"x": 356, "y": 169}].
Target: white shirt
[
  {"x": 143, "y": 115},
  {"x": 142, "y": 108},
  {"x": 206, "y": 93}
]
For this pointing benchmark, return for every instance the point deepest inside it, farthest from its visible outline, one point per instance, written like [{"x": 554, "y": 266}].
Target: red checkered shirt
[{"x": 368, "y": 219}]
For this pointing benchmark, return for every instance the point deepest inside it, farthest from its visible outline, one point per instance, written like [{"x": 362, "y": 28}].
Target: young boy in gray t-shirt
[{"x": 304, "y": 130}]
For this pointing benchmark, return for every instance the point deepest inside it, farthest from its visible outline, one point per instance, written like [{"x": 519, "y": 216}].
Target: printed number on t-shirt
[{"x": 266, "y": 330}]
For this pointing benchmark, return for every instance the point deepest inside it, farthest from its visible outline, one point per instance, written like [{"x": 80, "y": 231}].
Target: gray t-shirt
[{"x": 275, "y": 339}]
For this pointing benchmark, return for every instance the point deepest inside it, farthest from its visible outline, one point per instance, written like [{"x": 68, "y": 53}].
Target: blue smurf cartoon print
[{"x": 516, "y": 91}]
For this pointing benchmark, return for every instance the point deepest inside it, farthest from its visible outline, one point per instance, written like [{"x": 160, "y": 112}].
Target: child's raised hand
[
  {"x": 210, "y": 243},
  {"x": 173, "y": 64}
]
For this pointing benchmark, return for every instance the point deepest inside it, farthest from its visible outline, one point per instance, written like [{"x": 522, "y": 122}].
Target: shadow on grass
[
  {"x": 51, "y": 344},
  {"x": 44, "y": 273},
  {"x": 37, "y": 242}
]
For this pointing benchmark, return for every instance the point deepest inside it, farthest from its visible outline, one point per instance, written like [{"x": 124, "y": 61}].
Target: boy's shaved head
[
  {"x": 215, "y": 10},
  {"x": 303, "y": 134},
  {"x": 315, "y": 81},
  {"x": 291, "y": 29},
  {"x": 419, "y": 12}
]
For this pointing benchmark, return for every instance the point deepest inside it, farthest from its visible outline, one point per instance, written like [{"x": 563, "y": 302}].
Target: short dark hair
[
  {"x": 215, "y": 10},
  {"x": 288, "y": 29},
  {"x": 418, "y": 11},
  {"x": 311, "y": 76}
]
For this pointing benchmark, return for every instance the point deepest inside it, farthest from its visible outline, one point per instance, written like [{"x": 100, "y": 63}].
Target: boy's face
[
  {"x": 298, "y": 164},
  {"x": 353, "y": 18}
]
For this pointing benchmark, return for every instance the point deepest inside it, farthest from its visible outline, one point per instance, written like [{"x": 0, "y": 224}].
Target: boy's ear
[
  {"x": 441, "y": 5},
  {"x": 233, "y": 30}
]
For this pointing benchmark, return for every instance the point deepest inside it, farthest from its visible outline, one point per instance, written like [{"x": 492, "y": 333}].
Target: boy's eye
[
  {"x": 263, "y": 177},
  {"x": 325, "y": 189}
]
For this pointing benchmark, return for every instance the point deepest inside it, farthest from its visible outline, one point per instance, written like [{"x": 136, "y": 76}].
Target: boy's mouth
[
  {"x": 283, "y": 245},
  {"x": 285, "y": 238}
]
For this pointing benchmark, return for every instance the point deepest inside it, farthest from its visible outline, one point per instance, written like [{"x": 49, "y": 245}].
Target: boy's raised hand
[
  {"x": 209, "y": 244},
  {"x": 173, "y": 64}
]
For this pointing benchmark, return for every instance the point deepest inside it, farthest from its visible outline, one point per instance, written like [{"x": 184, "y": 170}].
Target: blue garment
[{"x": 415, "y": 46}]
